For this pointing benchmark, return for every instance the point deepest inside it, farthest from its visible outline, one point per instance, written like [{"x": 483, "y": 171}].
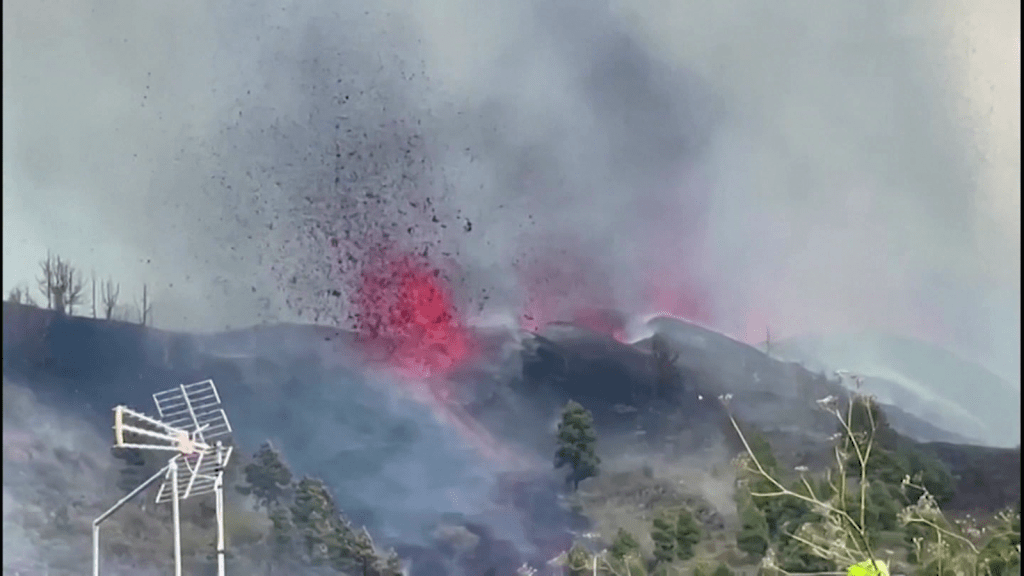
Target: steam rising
[{"x": 812, "y": 167}]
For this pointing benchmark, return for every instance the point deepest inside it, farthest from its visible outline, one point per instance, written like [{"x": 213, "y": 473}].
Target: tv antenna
[{"x": 190, "y": 417}]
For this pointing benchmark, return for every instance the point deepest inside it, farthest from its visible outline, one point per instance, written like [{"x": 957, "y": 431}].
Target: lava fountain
[{"x": 407, "y": 319}]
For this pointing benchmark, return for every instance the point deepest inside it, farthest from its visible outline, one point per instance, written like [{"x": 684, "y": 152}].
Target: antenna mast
[{"x": 190, "y": 416}]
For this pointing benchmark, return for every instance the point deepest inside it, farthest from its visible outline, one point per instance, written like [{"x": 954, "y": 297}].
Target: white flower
[
  {"x": 526, "y": 570},
  {"x": 828, "y": 402}
]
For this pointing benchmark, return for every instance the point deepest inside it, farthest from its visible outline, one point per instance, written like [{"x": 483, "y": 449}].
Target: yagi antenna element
[{"x": 190, "y": 417}]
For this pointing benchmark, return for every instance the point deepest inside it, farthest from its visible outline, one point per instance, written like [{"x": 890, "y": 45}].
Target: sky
[{"x": 808, "y": 167}]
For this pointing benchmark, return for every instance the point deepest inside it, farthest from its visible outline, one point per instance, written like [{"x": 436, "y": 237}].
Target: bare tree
[
  {"x": 20, "y": 295},
  {"x": 146, "y": 308},
  {"x": 61, "y": 283},
  {"x": 109, "y": 292},
  {"x": 94, "y": 294},
  {"x": 45, "y": 281}
]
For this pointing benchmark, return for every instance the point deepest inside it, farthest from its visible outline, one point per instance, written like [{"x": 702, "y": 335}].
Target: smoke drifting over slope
[{"x": 805, "y": 166}]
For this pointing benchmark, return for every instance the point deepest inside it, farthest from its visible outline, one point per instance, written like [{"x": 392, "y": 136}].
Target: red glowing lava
[
  {"x": 404, "y": 306},
  {"x": 405, "y": 316}
]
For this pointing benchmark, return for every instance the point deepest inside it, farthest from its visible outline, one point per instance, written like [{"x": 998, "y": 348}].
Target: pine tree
[
  {"x": 576, "y": 440},
  {"x": 391, "y": 564},
  {"x": 579, "y": 561},
  {"x": 267, "y": 476},
  {"x": 363, "y": 552},
  {"x": 624, "y": 545},
  {"x": 687, "y": 535},
  {"x": 753, "y": 535},
  {"x": 314, "y": 515},
  {"x": 281, "y": 532},
  {"x": 663, "y": 534}
]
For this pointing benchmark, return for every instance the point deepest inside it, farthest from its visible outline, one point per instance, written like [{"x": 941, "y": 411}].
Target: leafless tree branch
[
  {"x": 61, "y": 283},
  {"x": 109, "y": 292}
]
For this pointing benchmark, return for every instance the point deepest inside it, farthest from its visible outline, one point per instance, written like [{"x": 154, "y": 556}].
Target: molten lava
[
  {"x": 404, "y": 305},
  {"x": 406, "y": 316}
]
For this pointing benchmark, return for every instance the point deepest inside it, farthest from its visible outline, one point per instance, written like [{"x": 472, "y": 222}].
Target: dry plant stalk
[{"x": 840, "y": 536}]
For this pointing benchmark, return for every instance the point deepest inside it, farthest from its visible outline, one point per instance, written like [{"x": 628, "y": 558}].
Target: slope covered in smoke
[
  {"x": 57, "y": 477},
  {"x": 923, "y": 379},
  {"x": 414, "y": 469},
  {"x": 397, "y": 463}
]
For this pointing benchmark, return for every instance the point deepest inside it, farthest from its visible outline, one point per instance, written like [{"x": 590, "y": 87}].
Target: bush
[
  {"x": 688, "y": 534},
  {"x": 753, "y": 535},
  {"x": 795, "y": 556},
  {"x": 664, "y": 540},
  {"x": 821, "y": 525},
  {"x": 720, "y": 570},
  {"x": 624, "y": 545},
  {"x": 675, "y": 536}
]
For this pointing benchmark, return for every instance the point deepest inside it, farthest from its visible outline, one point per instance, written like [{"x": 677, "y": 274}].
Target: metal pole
[
  {"x": 218, "y": 487},
  {"x": 96, "y": 523},
  {"x": 95, "y": 550},
  {"x": 173, "y": 471}
]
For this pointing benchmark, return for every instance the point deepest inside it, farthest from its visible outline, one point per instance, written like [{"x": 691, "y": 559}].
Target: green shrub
[
  {"x": 624, "y": 545},
  {"x": 752, "y": 537},
  {"x": 663, "y": 534},
  {"x": 688, "y": 534},
  {"x": 675, "y": 536},
  {"x": 576, "y": 440},
  {"x": 720, "y": 570},
  {"x": 794, "y": 556}
]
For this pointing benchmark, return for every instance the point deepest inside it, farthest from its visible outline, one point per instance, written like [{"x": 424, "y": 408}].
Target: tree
[
  {"x": 578, "y": 561},
  {"x": 61, "y": 284},
  {"x": 663, "y": 535},
  {"x": 675, "y": 536},
  {"x": 146, "y": 308},
  {"x": 109, "y": 292},
  {"x": 624, "y": 545},
  {"x": 267, "y": 477},
  {"x": 363, "y": 552},
  {"x": 281, "y": 533},
  {"x": 20, "y": 295},
  {"x": 313, "y": 513},
  {"x": 576, "y": 440},
  {"x": 687, "y": 535},
  {"x": 389, "y": 564},
  {"x": 753, "y": 535},
  {"x": 329, "y": 537}
]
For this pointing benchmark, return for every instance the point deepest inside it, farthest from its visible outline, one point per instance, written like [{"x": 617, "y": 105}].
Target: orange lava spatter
[{"x": 404, "y": 304}]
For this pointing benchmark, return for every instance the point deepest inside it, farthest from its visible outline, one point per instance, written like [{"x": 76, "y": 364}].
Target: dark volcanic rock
[{"x": 987, "y": 479}]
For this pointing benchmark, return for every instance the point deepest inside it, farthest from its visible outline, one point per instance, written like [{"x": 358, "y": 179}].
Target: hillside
[
  {"x": 410, "y": 468},
  {"x": 922, "y": 378}
]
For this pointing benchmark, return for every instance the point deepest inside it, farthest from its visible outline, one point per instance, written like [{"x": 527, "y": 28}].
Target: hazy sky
[{"x": 811, "y": 166}]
